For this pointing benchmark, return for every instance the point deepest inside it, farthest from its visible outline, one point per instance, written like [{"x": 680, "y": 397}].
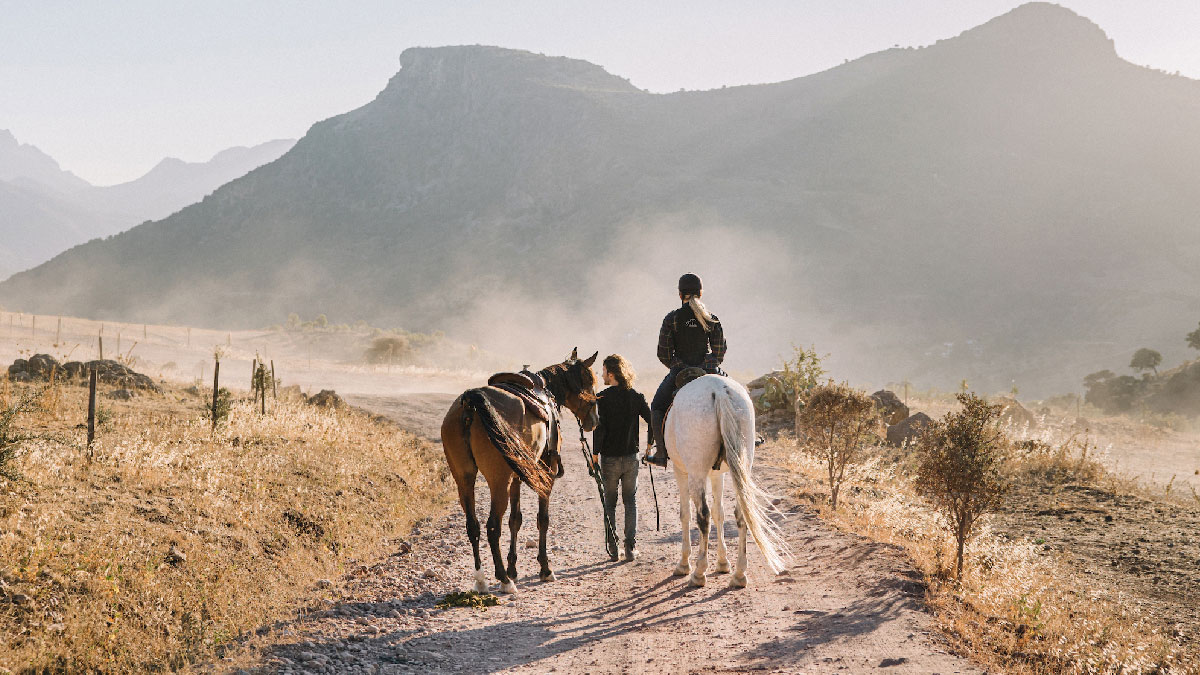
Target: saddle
[{"x": 531, "y": 389}]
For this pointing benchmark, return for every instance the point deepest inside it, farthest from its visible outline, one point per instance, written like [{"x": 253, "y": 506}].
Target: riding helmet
[{"x": 690, "y": 283}]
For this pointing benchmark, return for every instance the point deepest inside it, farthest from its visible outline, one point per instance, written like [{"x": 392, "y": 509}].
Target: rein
[{"x": 610, "y": 528}]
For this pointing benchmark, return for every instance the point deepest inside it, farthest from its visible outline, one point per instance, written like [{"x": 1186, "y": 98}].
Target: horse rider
[{"x": 690, "y": 337}]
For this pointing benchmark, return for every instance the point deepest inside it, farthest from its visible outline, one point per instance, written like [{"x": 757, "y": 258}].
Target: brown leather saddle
[{"x": 539, "y": 402}]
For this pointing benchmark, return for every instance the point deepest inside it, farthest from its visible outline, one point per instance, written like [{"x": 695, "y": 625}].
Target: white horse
[{"x": 709, "y": 412}]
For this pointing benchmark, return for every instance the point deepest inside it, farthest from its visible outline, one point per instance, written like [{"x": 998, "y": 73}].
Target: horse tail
[
  {"x": 753, "y": 501},
  {"x": 511, "y": 446}
]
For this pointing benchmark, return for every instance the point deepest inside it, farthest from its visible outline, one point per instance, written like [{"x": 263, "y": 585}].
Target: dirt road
[{"x": 843, "y": 605}]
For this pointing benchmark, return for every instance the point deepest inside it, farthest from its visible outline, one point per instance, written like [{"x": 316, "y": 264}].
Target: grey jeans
[{"x": 623, "y": 470}]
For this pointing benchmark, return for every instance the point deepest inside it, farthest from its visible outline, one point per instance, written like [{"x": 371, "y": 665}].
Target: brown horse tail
[{"x": 514, "y": 450}]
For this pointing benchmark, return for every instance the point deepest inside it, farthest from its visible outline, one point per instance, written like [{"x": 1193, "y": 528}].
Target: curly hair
[{"x": 620, "y": 369}]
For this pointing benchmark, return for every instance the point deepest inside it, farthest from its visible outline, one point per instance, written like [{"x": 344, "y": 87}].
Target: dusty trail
[{"x": 843, "y": 605}]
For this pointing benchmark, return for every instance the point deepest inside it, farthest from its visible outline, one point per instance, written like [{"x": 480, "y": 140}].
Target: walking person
[
  {"x": 690, "y": 337},
  {"x": 616, "y": 443}
]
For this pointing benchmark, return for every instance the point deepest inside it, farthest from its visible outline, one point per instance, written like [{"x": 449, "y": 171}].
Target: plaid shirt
[{"x": 666, "y": 344}]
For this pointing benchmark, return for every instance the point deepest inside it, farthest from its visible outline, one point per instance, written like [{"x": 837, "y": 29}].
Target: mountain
[
  {"x": 24, "y": 164},
  {"x": 45, "y": 210},
  {"x": 1014, "y": 204}
]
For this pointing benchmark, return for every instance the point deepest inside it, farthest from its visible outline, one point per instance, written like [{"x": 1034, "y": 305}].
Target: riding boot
[{"x": 660, "y": 445}]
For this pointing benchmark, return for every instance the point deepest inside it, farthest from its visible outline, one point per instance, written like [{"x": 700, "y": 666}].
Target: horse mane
[{"x": 568, "y": 377}]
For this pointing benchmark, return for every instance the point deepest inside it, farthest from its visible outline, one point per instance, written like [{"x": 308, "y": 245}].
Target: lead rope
[{"x": 610, "y": 529}]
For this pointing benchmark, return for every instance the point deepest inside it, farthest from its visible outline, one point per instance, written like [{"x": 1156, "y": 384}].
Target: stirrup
[{"x": 657, "y": 459}]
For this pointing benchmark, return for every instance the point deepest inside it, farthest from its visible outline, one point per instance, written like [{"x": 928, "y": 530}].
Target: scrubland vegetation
[
  {"x": 174, "y": 541},
  {"x": 1023, "y": 599}
]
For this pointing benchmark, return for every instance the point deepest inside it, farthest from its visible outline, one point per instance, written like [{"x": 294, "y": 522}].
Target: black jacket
[
  {"x": 682, "y": 341},
  {"x": 619, "y": 409}
]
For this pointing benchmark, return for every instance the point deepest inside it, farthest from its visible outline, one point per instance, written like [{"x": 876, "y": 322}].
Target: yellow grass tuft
[
  {"x": 1018, "y": 607},
  {"x": 174, "y": 541}
]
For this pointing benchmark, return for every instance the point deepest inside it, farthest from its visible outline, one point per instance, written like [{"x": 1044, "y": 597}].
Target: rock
[
  {"x": 109, "y": 372},
  {"x": 891, "y": 408},
  {"x": 326, "y": 398},
  {"x": 904, "y": 432},
  {"x": 19, "y": 599},
  {"x": 405, "y": 547},
  {"x": 37, "y": 367},
  {"x": 1014, "y": 414},
  {"x": 175, "y": 556},
  {"x": 324, "y": 584},
  {"x": 121, "y": 394},
  {"x": 429, "y": 574},
  {"x": 531, "y": 543}
]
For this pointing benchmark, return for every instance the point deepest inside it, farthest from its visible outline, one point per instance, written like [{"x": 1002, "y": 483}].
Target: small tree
[
  {"x": 799, "y": 375},
  {"x": 834, "y": 425},
  {"x": 1193, "y": 339},
  {"x": 1146, "y": 359},
  {"x": 959, "y": 465},
  {"x": 389, "y": 349}
]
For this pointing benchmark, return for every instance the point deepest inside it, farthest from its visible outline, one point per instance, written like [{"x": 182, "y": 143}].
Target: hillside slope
[{"x": 1010, "y": 204}]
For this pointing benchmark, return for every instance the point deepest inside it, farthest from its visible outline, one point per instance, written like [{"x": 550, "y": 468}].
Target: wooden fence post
[
  {"x": 274, "y": 387},
  {"x": 118, "y": 344},
  {"x": 100, "y": 342},
  {"x": 58, "y": 332},
  {"x": 144, "y": 337},
  {"x": 216, "y": 388},
  {"x": 33, "y": 327},
  {"x": 254, "y": 376},
  {"x": 91, "y": 420}
]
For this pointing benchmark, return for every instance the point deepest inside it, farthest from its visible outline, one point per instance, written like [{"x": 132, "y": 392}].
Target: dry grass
[
  {"x": 260, "y": 512},
  {"x": 1019, "y": 607}
]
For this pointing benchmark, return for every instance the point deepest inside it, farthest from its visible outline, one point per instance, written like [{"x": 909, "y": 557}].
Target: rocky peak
[
  {"x": 1042, "y": 27},
  {"x": 464, "y": 65}
]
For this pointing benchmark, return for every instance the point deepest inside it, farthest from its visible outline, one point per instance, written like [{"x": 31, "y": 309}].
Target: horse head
[{"x": 578, "y": 382}]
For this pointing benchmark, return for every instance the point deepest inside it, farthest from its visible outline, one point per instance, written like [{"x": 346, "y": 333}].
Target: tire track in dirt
[{"x": 844, "y": 604}]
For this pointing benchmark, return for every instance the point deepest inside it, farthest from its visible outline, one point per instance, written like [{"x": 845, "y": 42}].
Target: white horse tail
[{"x": 753, "y": 501}]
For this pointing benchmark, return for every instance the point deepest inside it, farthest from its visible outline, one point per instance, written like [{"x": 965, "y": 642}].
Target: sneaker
[{"x": 632, "y": 554}]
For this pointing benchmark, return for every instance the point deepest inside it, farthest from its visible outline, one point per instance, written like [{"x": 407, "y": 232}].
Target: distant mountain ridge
[
  {"x": 44, "y": 209},
  {"x": 1015, "y": 204}
]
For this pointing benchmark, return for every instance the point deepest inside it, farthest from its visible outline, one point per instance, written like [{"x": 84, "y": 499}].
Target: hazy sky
[{"x": 110, "y": 88}]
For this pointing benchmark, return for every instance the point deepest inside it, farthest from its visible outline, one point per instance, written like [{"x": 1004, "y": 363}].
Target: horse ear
[
  {"x": 592, "y": 359},
  {"x": 574, "y": 355}
]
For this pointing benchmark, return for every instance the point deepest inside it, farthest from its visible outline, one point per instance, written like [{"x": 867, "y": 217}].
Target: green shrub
[
  {"x": 960, "y": 465},
  {"x": 798, "y": 376}
]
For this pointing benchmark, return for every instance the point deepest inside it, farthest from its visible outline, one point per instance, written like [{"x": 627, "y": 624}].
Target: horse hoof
[
  {"x": 682, "y": 570},
  {"x": 481, "y": 584},
  {"x": 722, "y": 567},
  {"x": 508, "y": 587},
  {"x": 737, "y": 581},
  {"x": 549, "y": 576},
  {"x": 697, "y": 580}
]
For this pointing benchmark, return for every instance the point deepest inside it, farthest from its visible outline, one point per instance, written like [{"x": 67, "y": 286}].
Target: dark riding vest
[{"x": 691, "y": 340}]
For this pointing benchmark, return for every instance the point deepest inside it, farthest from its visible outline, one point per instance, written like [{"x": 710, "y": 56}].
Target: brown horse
[{"x": 496, "y": 432}]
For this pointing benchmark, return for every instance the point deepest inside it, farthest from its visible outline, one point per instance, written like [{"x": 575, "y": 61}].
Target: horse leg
[
  {"x": 698, "y": 488},
  {"x": 738, "y": 580},
  {"x": 499, "y": 505},
  {"x": 466, "y": 497},
  {"x": 514, "y": 526},
  {"x": 543, "y": 523},
  {"x": 718, "y": 483},
  {"x": 685, "y": 513}
]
